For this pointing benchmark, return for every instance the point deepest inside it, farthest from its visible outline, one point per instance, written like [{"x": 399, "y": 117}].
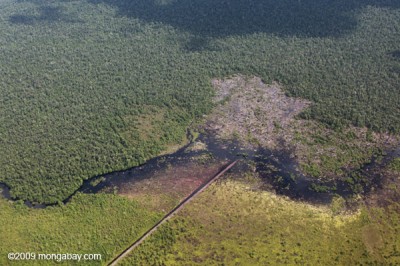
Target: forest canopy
[{"x": 89, "y": 87}]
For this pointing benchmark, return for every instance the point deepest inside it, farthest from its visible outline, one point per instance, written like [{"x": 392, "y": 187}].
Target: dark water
[
  {"x": 5, "y": 192},
  {"x": 278, "y": 170},
  {"x": 114, "y": 181},
  {"x": 216, "y": 150}
]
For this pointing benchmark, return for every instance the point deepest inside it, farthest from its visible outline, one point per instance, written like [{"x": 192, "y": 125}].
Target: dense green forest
[{"x": 88, "y": 87}]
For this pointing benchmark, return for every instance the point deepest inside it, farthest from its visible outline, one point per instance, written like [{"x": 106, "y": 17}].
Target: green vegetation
[
  {"x": 327, "y": 153},
  {"x": 102, "y": 224},
  {"x": 93, "y": 86},
  {"x": 338, "y": 205},
  {"x": 395, "y": 165},
  {"x": 321, "y": 188},
  {"x": 230, "y": 224},
  {"x": 97, "y": 181}
]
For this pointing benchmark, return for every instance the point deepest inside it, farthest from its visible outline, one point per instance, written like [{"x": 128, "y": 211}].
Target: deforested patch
[
  {"x": 252, "y": 111},
  {"x": 260, "y": 115}
]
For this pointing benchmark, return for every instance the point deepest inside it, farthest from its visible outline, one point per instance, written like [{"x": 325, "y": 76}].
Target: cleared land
[{"x": 261, "y": 115}]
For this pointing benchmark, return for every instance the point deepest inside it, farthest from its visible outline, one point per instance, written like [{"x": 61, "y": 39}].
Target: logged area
[
  {"x": 113, "y": 111},
  {"x": 94, "y": 86}
]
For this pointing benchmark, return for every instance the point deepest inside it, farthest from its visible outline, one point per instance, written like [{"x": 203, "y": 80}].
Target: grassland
[
  {"x": 101, "y": 224},
  {"x": 89, "y": 87},
  {"x": 233, "y": 225}
]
